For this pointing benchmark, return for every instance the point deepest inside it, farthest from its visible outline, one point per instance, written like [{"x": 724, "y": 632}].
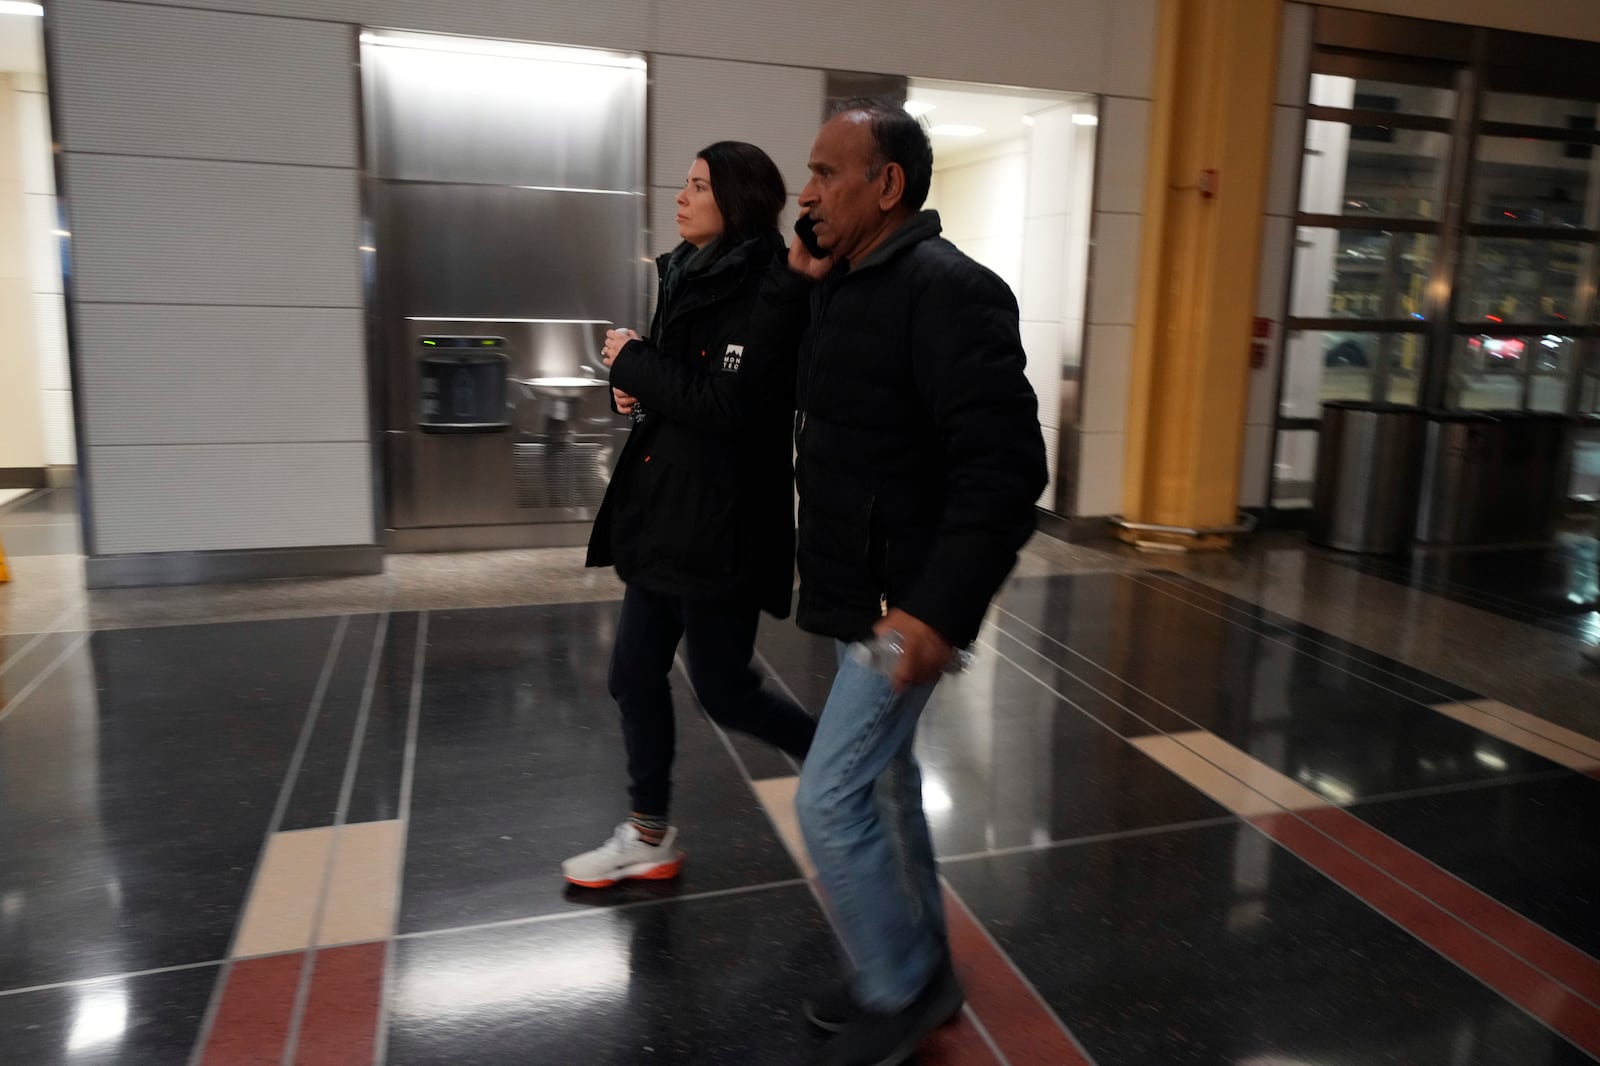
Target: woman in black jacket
[{"x": 698, "y": 518}]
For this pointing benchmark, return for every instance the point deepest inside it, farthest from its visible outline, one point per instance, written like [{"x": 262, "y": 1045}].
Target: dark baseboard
[
  {"x": 1080, "y": 530},
  {"x": 24, "y": 477},
  {"x": 206, "y": 568}
]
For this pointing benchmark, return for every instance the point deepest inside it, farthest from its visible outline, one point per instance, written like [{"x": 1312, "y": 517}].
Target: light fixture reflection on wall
[
  {"x": 1081, "y": 119},
  {"x": 515, "y": 49},
  {"x": 918, "y": 108},
  {"x": 10, "y": 7},
  {"x": 952, "y": 129}
]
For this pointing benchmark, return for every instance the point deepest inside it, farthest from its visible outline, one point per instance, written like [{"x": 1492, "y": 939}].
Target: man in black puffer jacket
[{"x": 919, "y": 462}]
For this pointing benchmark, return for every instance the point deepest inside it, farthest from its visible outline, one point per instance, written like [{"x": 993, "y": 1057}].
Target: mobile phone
[{"x": 806, "y": 230}]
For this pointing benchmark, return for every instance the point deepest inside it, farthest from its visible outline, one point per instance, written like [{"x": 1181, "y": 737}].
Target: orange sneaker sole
[{"x": 664, "y": 872}]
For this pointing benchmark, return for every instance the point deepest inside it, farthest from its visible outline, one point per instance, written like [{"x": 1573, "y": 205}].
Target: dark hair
[
  {"x": 899, "y": 139},
  {"x": 747, "y": 187}
]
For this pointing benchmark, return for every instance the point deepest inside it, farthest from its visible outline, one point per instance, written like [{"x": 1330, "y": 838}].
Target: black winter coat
[
  {"x": 701, "y": 503},
  {"x": 920, "y": 456}
]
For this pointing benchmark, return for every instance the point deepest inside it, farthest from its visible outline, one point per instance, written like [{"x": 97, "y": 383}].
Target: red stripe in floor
[
  {"x": 1533, "y": 991},
  {"x": 958, "y": 1044},
  {"x": 1016, "y": 1019},
  {"x": 340, "y": 1026},
  {"x": 1573, "y": 968},
  {"x": 252, "y": 1019}
]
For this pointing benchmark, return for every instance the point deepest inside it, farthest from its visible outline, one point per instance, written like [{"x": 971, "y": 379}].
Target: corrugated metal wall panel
[
  {"x": 698, "y": 101},
  {"x": 186, "y": 232},
  {"x": 191, "y": 375},
  {"x": 231, "y": 496},
  {"x": 157, "y": 81}
]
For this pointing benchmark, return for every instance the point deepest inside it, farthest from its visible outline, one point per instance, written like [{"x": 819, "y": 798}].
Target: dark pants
[{"x": 719, "y": 640}]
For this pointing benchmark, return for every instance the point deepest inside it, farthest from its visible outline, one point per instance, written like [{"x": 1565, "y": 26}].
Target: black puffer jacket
[
  {"x": 701, "y": 504},
  {"x": 920, "y": 454}
]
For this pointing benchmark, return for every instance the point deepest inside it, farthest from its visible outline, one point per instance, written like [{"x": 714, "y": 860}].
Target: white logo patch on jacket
[{"x": 732, "y": 358}]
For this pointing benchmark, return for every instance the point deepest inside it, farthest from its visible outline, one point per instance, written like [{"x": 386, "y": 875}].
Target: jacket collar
[
  {"x": 922, "y": 226},
  {"x": 735, "y": 258}
]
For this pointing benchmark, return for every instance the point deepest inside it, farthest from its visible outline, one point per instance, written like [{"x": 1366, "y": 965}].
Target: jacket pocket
[{"x": 690, "y": 519}]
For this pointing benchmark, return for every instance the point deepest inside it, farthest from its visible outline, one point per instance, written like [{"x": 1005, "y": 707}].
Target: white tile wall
[
  {"x": 1294, "y": 54},
  {"x": 1253, "y": 462},
  {"x": 1131, "y": 47},
  {"x": 50, "y": 340},
  {"x": 217, "y": 375},
  {"x": 1108, "y": 372},
  {"x": 1050, "y": 156},
  {"x": 1044, "y": 257},
  {"x": 1041, "y": 342},
  {"x": 60, "y": 439},
  {"x": 1115, "y": 265},
  {"x": 180, "y": 231},
  {"x": 44, "y": 256},
  {"x": 1052, "y": 452},
  {"x": 161, "y": 81},
  {"x": 1124, "y": 153},
  {"x": 1284, "y": 173},
  {"x": 694, "y": 102},
  {"x": 33, "y": 133},
  {"x": 1100, "y": 469},
  {"x": 231, "y": 496}
]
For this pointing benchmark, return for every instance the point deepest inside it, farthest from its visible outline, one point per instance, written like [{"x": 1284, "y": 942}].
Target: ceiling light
[
  {"x": 1027, "y": 120},
  {"x": 8, "y": 7},
  {"x": 1085, "y": 120},
  {"x": 952, "y": 130},
  {"x": 918, "y": 108}
]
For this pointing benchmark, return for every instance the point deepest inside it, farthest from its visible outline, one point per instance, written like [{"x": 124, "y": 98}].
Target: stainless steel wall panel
[
  {"x": 187, "y": 232},
  {"x": 158, "y": 81},
  {"x": 218, "y": 497},
  {"x": 490, "y": 251},
  {"x": 503, "y": 120},
  {"x": 697, "y": 101},
  {"x": 196, "y": 375}
]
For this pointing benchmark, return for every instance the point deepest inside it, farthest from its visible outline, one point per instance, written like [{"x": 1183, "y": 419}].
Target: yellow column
[
  {"x": 5, "y": 575},
  {"x": 1216, "y": 65}
]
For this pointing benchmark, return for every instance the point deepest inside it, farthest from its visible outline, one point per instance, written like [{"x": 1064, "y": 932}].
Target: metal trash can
[
  {"x": 1492, "y": 477},
  {"x": 1368, "y": 465}
]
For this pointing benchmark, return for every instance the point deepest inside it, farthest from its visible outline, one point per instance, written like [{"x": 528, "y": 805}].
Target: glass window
[
  {"x": 1405, "y": 354},
  {"x": 1538, "y": 111},
  {"x": 1586, "y": 464},
  {"x": 1350, "y": 174},
  {"x": 1499, "y": 372},
  {"x": 1332, "y": 90},
  {"x": 1520, "y": 182},
  {"x": 1360, "y": 273},
  {"x": 1322, "y": 365},
  {"x": 1505, "y": 279}
]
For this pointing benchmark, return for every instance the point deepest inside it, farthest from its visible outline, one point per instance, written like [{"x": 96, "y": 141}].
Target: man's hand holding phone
[{"x": 806, "y": 256}]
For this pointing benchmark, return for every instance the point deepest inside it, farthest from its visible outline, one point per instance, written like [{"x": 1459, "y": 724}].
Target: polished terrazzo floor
[{"x": 1238, "y": 810}]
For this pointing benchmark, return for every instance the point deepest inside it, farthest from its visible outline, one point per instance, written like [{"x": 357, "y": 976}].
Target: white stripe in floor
[{"x": 1530, "y": 733}]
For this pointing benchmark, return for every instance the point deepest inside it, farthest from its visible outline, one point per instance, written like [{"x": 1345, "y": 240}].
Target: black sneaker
[
  {"x": 875, "y": 1039},
  {"x": 833, "y": 1007}
]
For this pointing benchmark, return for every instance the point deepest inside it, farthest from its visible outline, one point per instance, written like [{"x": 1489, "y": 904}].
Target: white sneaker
[{"x": 626, "y": 857}]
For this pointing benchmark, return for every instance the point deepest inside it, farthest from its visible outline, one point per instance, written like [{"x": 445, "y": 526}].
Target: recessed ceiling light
[
  {"x": 918, "y": 108},
  {"x": 1027, "y": 120},
  {"x": 1085, "y": 120},
  {"x": 8, "y": 7},
  {"x": 954, "y": 130}
]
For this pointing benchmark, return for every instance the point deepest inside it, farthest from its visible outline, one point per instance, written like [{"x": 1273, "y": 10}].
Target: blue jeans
[{"x": 860, "y": 808}]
